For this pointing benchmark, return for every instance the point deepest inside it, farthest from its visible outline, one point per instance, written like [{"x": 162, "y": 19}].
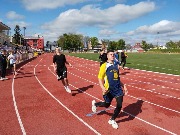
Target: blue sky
[{"x": 131, "y": 20}]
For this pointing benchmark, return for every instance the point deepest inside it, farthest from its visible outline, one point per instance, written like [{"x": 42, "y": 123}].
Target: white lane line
[
  {"x": 81, "y": 120},
  {"x": 132, "y": 96},
  {"x": 15, "y": 106},
  {"x": 131, "y": 85},
  {"x": 122, "y": 110},
  {"x": 139, "y": 75},
  {"x": 16, "y": 110}
]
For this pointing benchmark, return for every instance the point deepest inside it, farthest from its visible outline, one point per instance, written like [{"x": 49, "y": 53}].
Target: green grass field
[{"x": 164, "y": 63}]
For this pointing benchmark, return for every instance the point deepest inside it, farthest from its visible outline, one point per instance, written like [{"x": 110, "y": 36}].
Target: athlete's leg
[
  {"x": 102, "y": 104},
  {"x": 117, "y": 110},
  {"x": 107, "y": 101},
  {"x": 124, "y": 62},
  {"x": 65, "y": 82}
]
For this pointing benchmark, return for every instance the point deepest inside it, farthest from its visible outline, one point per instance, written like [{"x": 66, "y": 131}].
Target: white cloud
[
  {"x": 93, "y": 16},
  {"x": 158, "y": 33},
  {"x": 162, "y": 27},
  {"x": 48, "y": 4},
  {"x": 12, "y": 15},
  {"x": 107, "y": 33}
]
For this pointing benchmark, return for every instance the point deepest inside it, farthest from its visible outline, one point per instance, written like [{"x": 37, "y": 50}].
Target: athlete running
[
  {"x": 111, "y": 86},
  {"x": 59, "y": 61}
]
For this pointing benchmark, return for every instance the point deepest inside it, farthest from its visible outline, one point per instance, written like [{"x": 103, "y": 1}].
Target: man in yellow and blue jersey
[{"x": 111, "y": 86}]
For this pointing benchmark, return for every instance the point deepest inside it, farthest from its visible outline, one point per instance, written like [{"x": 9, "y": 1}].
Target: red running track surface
[{"x": 34, "y": 102}]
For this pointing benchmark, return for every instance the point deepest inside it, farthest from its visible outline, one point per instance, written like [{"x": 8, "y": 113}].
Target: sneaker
[
  {"x": 68, "y": 89},
  {"x": 113, "y": 123},
  {"x": 1, "y": 79},
  {"x": 59, "y": 78},
  {"x": 93, "y": 106},
  {"x": 5, "y": 78}
]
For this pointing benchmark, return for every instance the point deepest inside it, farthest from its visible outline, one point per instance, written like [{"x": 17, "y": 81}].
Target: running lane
[{"x": 46, "y": 108}]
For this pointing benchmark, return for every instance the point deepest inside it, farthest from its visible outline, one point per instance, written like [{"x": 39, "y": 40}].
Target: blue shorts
[{"x": 109, "y": 96}]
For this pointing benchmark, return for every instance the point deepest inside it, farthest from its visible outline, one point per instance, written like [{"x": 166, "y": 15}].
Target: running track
[{"x": 35, "y": 103}]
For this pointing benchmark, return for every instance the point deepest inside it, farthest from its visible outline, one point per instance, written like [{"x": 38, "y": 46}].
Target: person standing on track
[
  {"x": 103, "y": 56},
  {"x": 3, "y": 65},
  {"x": 111, "y": 86},
  {"x": 13, "y": 60},
  {"x": 59, "y": 61},
  {"x": 116, "y": 58},
  {"x": 123, "y": 58}
]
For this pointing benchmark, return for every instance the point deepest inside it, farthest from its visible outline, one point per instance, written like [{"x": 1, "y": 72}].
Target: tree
[
  {"x": 112, "y": 45},
  {"x": 144, "y": 45},
  {"x": 121, "y": 45},
  {"x": 94, "y": 41},
  {"x": 178, "y": 44},
  {"x": 171, "y": 45},
  {"x": 17, "y": 38},
  {"x": 70, "y": 41}
]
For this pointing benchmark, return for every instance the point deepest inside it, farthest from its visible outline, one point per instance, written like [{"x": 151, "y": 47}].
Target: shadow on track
[
  {"x": 134, "y": 109},
  {"x": 81, "y": 90}
]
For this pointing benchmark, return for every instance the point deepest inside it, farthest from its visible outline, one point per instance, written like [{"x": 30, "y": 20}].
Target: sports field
[{"x": 163, "y": 63}]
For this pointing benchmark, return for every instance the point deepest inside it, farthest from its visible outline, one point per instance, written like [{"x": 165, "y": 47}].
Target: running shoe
[
  {"x": 68, "y": 89},
  {"x": 93, "y": 106},
  {"x": 1, "y": 79},
  {"x": 113, "y": 123},
  {"x": 5, "y": 78},
  {"x": 58, "y": 77}
]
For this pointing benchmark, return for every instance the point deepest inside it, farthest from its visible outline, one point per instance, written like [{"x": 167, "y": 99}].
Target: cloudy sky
[{"x": 155, "y": 21}]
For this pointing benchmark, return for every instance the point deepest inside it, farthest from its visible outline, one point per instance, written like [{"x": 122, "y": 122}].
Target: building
[
  {"x": 137, "y": 48},
  {"x": 35, "y": 42},
  {"x": 4, "y": 34}
]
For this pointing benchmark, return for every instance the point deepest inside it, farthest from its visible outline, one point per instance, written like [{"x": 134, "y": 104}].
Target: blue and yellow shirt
[{"x": 110, "y": 74}]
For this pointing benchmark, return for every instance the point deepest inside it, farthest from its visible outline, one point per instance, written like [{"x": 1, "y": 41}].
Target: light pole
[
  {"x": 24, "y": 30},
  {"x": 157, "y": 39}
]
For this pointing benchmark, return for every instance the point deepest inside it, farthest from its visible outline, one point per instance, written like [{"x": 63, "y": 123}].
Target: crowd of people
[{"x": 9, "y": 58}]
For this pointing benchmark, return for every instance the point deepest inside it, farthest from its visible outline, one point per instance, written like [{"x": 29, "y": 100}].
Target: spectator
[
  {"x": 123, "y": 58},
  {"x": 3, "y": 65},
  {"x": 103, "y": 56},
  {"x": 116, "y": 57},
  {"x": 12, "y": 60}
]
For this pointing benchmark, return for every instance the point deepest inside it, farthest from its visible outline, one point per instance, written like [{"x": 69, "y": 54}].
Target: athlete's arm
[
  {"x": 101, "y": 76},
  {"x": 101, "y": 83},
  {"x": 68, "y": 63},
  {"x": 124, "y": 88},
  {"x": 55, "y": 67},
  {"x": 54, "y": 64}
]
